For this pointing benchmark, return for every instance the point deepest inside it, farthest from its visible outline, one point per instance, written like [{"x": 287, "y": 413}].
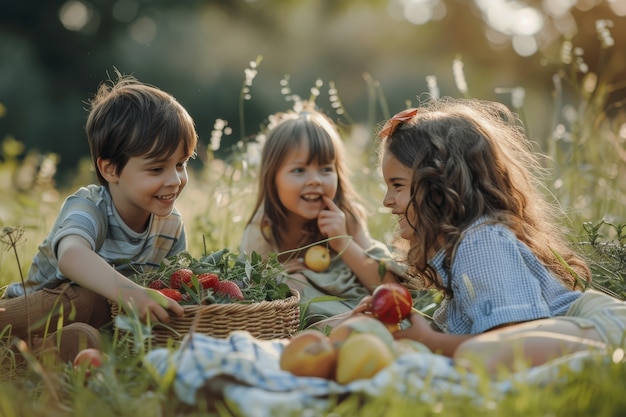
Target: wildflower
[
  {"x": 459, "y": 76},
  {"x": 433, "y": 87},
  {"x": 604, "y": 34},
  {"x": 220, "y": 129},
  {"x": 335, "y": 101}
]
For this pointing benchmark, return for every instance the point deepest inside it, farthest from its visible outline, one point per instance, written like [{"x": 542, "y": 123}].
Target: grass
[{"x": 585, "y": 176}]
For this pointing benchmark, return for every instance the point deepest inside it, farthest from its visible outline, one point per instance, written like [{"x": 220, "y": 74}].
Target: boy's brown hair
[{"x": 128, "y": 118}]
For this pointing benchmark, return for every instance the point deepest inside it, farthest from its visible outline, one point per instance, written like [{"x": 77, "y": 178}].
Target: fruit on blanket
[
  {"x": 359, "y": 324},
  {"x": 317, "y": 258},
  {"x": 309, "y": 353},
  {"x": 362, "y": 356},
  {"x": 391, "y": 303},
  {"x": 89, "y": 358},
  {"x": 179, "y": 277},
  {"x": 403, "y": 346}
]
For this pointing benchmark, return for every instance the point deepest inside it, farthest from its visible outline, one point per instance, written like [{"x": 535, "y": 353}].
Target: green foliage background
[{"x": 570, "y": 96}]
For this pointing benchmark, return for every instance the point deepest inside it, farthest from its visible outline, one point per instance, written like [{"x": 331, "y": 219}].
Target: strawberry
[
  {"x": 180, "y": 276},
  {"x": 171, "y": 293},
  {"x": 208, "y": 280},
  {"x": 156, "y": 285},
  {"x": 229, "y": 288}
]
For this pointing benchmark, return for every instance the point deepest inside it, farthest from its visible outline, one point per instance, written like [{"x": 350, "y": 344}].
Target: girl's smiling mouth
[
  {"x": 166, "y": 197},
  {"x": 311, "y": 197}
]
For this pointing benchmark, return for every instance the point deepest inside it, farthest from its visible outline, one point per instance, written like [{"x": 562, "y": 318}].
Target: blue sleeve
[{"x": 494, "y": 279}]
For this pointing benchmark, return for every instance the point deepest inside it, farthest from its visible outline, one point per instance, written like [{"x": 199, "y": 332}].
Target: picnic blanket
[{"x": 246, "y": 374}]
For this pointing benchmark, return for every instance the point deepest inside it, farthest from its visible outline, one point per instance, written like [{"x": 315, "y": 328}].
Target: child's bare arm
[
  {"x": 421, "y": 331},
  {"x": 332, "y": 222},
  {"x": 78, "y": 262}
]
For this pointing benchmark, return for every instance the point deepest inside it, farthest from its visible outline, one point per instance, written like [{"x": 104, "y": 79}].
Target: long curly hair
[{"x": 472, "y": 159}]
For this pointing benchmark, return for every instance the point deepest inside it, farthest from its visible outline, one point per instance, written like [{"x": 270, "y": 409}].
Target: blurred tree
[{"x": 54, "y": 53}]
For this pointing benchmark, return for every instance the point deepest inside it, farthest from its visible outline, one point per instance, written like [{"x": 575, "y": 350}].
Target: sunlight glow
[
  {"x": 524, "y": 45},
  {"x": 417, "y": 12},
  {"x": 558, "y": 8},
  {"x": 74, "y": 15},
  {"x": 516, "y": 20},
  {"x": 527, "y": 21},
  {"x": 618, "y": 7},
  {"x": 143, "y": 30}
]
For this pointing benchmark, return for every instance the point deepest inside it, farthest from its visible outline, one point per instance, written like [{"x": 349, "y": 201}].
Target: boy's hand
[
  {"x": 76, "y": 257},
  {"x": 152, "y": 304},
  {"x": 172, "y": 306},
  {"x": 156, "y": 305},
  {"x": 332, "y": 222}
]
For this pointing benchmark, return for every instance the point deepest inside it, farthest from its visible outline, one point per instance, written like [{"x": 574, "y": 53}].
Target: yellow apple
[{"x": 317, "y": 258}]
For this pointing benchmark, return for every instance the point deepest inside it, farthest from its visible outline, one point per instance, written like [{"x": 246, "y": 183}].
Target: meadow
[{"x": 584, "y": 163}]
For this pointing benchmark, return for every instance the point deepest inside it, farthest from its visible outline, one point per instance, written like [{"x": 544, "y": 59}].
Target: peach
[
  {"x": 309, "y": 353},
  {"x": 359, "y": 324},
  {"x": 403, "y": 346}
]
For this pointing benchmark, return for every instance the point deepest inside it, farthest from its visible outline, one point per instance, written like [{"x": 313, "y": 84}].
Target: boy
[{"x": 140, "y": 140}]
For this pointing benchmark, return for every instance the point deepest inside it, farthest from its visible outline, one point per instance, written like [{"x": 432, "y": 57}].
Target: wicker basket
[{"x": 264, "y": 320}]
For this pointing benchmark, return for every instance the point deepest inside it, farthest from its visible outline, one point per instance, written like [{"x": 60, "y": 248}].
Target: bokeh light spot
[
  {"x": 143, "y": 30},
  {"x": 524, "y": 45},
  {"x": 557, "y": 8},
  {"x": 527, "y": 21},
  {"x": 74, "y": 15},
  {"x": 618, "y": 7},
  {"x": 417, "y": 12}
]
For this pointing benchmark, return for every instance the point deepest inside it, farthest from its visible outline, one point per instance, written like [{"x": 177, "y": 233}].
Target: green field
[{"x": 584, "y": 174}]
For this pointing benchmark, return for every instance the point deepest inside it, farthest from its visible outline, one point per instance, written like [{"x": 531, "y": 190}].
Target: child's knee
[
  {"x": 72, "y": 303},
  {"x": 92, "y": 308},
  {"x": 481, "y": 354}
]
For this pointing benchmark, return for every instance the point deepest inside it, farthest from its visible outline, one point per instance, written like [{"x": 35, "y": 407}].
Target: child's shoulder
[
  {"x": 484, "y": 230},
  {"x": 88, "y": 198},
  {"x": 92, "y": 192}
]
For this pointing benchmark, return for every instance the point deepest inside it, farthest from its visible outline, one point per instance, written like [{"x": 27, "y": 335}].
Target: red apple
[
  {"x": 89, "y": 358},
  {"x": 391, "y": 303}
]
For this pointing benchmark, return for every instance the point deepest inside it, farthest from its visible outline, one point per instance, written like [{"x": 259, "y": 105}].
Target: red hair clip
[{"x": 402, "y": 117}]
